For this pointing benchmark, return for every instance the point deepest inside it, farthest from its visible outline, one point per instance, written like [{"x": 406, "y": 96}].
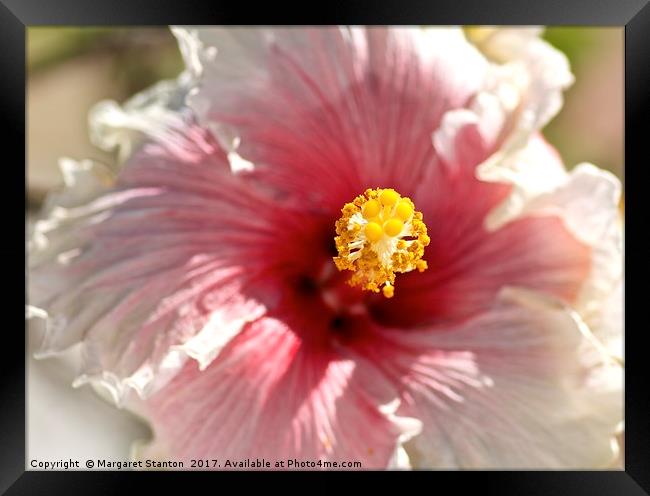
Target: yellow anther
[
  {"x": 363, "y": 248},
  {"x": 389, "y": 197},
  {"x": 371, "y": 209},
  {"x": 392, "y": 227},
  {"x": 404, "y": 210},
  {"x": 373, "y": 232}
]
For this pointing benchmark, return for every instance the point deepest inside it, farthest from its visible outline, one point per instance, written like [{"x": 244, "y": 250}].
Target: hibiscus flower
[{"x": 344, "y": 244}]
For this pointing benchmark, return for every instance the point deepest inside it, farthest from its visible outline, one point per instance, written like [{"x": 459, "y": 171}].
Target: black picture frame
[{"x": 16, "y": 15}]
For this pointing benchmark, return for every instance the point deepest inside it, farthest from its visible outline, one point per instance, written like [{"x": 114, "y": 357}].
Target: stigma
[{"x": 378, "y": 235}]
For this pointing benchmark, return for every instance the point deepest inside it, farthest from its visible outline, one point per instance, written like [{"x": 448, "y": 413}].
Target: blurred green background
[{"x": 70, "y": 69}]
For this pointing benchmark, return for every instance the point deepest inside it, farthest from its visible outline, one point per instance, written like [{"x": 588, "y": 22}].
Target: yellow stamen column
[{"x": 378, "y": 235}]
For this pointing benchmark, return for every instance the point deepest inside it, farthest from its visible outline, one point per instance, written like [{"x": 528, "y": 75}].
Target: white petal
[
  {"x": 150, "y": 112},
  {"x": 64, "y": 423},
  {"x": 521, "y": 92}
]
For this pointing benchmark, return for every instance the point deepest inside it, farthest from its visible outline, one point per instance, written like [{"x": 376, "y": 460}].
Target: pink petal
[
  {"x": 504, "y": 389},
  {"x": 170, "y": 254},
  {"x": 341, "y": 108},
  {"x": 275, "y": 396},
  {"x": 469, "y": 264},
  {"x": 588, "y": 203}
]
